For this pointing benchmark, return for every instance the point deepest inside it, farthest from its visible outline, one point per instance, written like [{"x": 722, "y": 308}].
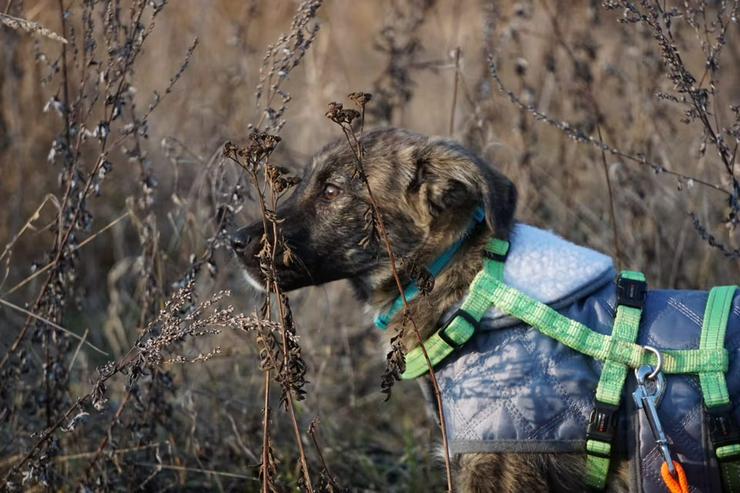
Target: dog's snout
[{"x": 240, "y": 240}]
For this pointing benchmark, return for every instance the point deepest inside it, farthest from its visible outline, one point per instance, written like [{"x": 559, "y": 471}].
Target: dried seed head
[
  {"x": 360, "y": 98},
  {"x": 339, "y": 115},
  {"x": 279, "y": 178}
]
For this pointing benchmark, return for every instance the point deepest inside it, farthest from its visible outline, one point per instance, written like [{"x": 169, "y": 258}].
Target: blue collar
[{"x": 412, "y": 291}]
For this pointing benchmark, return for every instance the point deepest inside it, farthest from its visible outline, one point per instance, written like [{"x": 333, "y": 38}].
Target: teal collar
[{"x": 412, "y": 291}]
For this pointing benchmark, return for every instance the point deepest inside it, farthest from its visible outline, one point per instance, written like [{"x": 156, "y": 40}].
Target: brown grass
[{"x": 186, "y": 410}]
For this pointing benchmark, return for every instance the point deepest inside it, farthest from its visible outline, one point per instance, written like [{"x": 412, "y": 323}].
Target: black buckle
[
  {"x": 723, "y": 429},
  {"x": 602, "y": 424},
  {"x": 497, "y": 257},
  {"x": 631, "y": 293},
  {"x": 458, "y": 313}
]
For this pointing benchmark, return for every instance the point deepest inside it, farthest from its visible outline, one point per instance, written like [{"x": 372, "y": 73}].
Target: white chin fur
[{"x": 252, "y": 281}]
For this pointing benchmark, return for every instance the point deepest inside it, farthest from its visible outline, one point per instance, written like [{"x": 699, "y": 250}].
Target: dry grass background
[{"x": 199, "y": 425}]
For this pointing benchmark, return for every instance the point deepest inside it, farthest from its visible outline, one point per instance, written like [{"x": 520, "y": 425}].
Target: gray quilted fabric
[{"x": 512, "y": 389}]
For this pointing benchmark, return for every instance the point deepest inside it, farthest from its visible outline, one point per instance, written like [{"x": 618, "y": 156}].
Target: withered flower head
[
  {"x": 280, "y": 178},
  {"x": 261, "y": 144},
  {"x": 360, "y": 98},
  {"x": 259, "y": 147},
  {"x": 339, "y": 115}
]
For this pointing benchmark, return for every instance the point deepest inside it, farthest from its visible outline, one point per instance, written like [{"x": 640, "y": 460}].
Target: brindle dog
[{"x": 426, "y": 189}]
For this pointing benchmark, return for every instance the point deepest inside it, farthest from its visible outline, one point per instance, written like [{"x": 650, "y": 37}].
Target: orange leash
[{"x": 680, "y": 486}]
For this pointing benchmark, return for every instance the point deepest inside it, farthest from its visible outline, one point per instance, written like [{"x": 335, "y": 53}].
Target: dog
[{"x": 426, "y": 188}]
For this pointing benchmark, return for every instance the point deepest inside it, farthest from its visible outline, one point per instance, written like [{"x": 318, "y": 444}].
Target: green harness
[{"x": 618, "y": 352}]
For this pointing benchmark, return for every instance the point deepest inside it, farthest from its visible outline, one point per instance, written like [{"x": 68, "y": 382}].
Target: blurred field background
[{"x": 192, "y": 420}]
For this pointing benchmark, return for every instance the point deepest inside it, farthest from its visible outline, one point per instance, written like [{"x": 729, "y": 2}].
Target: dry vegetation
[{"x": 132, "y": 353}]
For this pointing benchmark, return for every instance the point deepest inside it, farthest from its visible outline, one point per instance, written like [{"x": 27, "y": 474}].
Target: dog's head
[{"x": 426, "y": 189}]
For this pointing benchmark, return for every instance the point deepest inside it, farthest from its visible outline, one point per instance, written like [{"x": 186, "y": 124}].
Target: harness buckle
[
  {"x": 458, "y": 313},
  {"x": 723, "y": 428},
  {"x": 631, "y": 292},
  {"x": 602, "y": 423},
  {"x": 497, "y": 250}
]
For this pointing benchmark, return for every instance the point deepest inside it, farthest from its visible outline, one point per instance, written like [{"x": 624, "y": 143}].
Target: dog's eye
[{"x": 331, "y": 192}]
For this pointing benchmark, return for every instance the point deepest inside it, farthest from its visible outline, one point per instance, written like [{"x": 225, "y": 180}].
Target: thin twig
[
  {"x": 52, "y": 324},
  {"x": 612, "y": 213},
  {"x": 84, "y": 455},
  {"x": 30, "y": 27},
  {"x": 82, "y": 243},
  {"x": 196, "y": 469},
  {"x": 357, "y": 151},
  {"x": 451, "y": 128},
  {"x": 265, "y": 466},
  {"x": 276, "y": 289},
  {"x": 77, "y": 350},
  {"x": 579, "y": 136}
]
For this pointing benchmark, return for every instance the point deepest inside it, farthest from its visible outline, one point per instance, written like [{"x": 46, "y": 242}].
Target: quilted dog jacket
[{"x": 513, "y": 389}]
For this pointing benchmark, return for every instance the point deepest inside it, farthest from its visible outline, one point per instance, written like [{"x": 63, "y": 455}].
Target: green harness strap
[
  {"x": 723, "y": 429},
  {"x": 461, "y": 326},
  {"x": 488, "y": 289},
  {"x": 603, "y": 421}
]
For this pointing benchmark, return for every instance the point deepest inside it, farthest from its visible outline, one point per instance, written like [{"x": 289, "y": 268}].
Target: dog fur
[{"x": 427, "y": 189}]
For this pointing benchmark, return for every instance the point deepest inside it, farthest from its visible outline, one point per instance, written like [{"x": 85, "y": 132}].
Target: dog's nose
[{"x": 240, "y": 240}]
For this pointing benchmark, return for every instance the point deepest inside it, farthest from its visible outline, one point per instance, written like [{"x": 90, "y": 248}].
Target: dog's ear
[{"x": 449, "y": 178}]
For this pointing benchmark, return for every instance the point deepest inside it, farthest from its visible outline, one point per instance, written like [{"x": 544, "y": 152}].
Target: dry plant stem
[
  {"x": 85, "y": 455},
  {"x": 50, "y": 323},
  {"x": 284, "y": 334},
  {"x": 77, "y": 405},
  {"x": 451, "y": 128},
  {"x": 28, "y": 224},
  {"x": 579, "y": 136},
  {"x": 86, "y": 190},
  {"x": 57, "y": 258},
  {"x": 65, "y": 79},
  {"x": 30, "y": 27},
  {"x": 356, "y": 147},
  {"x": 51, "y": 264},
  {"x": 276, "y": 289},
  {"x": 106, "y": 439},
  {"x": 194, "y": 469},
  {"x": 598, "y": 116},
  {"x": 46, "y": 435},
  {"x": 77, "y": 350},
  {"x": 312, "y": 433},
  {"x": 698, "y": 105},
  {"x": 612, "y": 213},
  {"x": 265, "y": 466},
  {"x": 124, "y": 363}
]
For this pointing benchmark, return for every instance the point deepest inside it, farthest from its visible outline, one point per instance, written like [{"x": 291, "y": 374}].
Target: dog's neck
[{"x": 450, "y": 287}]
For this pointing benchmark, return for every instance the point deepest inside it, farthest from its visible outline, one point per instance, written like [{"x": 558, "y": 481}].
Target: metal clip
[{"x": 647, "y": 397}]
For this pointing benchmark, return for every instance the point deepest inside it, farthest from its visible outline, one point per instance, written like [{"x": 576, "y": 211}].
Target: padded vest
[{"x": 512, "y": 389}]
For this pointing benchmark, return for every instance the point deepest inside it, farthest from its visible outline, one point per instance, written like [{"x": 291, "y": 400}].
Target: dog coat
[{"x": 513, "y": 389}]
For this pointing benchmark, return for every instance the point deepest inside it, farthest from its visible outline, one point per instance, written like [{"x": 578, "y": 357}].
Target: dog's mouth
[
  {"x": 288, "y": 278},
  {"x": 254, "y": 283}
]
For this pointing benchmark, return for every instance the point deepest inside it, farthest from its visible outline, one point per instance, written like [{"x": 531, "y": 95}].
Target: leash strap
[
  {"x": 464, "y": 322},
  {"x": 675, "y": 485},
  {"x": 631, "y": 293},
  {"x": 723, "y": 429}
]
